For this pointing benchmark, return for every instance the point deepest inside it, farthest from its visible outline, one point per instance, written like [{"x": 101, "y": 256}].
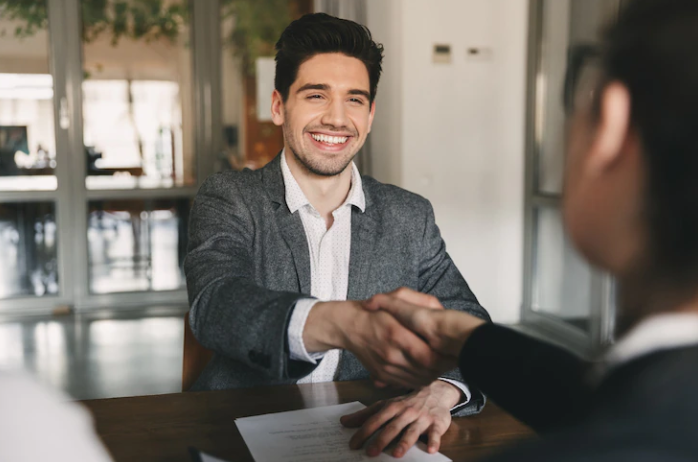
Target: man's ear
[
  {"x": 277, "y": 108},
  {"x": 613, "y": 127},
  {"x": 371, "y": 115}
]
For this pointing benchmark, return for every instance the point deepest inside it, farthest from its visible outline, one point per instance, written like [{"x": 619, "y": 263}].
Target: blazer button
[{"x": 254, "y": 357}]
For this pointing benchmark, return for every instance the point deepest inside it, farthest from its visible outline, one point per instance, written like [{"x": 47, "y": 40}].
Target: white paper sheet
[
  {"x": 207, "y": 458},
  {"x": 313, "y": 435}
]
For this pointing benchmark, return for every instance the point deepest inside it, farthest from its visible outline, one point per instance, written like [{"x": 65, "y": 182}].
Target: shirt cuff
[
  {"x": 296, "y": 326},
  {"x": 462, "y": 387}
]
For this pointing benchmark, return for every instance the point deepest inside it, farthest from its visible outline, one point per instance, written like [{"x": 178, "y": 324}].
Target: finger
[
  {"x": 392, "y": 367},
  {"x": 420, "y": 355},
  {"x": 417, "y": 298},
  {"x": 410, "y": 437},
  {"x": 411, "y": 316},
  {"x": 391, "y": 431},
  {"x": 410, "y": 364},
  {"x": 435, "y": 433},
  {"x": 357, "y": 419},
  {"x": 370, "y": 305},
  {"x": 406, "y": 377},
  {"x": 373, "y": 424}
]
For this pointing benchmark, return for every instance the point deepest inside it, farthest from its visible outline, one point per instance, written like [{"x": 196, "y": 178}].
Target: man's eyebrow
[
  {"x": 313, "y": 86},
  {"x": 363, "y": 93}
]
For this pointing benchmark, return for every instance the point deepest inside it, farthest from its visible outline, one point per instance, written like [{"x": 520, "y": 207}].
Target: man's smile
[{"x": 327, "y": 142}]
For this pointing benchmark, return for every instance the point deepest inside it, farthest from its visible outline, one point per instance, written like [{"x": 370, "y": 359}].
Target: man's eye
[
  {"x": 314, "y": 96},
  {"x": 357, "y": 100}
]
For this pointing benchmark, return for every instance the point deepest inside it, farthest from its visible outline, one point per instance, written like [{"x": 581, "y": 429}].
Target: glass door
[
  {"x": 137, "y": 160},
  {"x": 112, "y": 114},
  {"x": 563, "y": 295},
  {"x": 32, "y": 158},
  {"x": 101, "y": 151}
]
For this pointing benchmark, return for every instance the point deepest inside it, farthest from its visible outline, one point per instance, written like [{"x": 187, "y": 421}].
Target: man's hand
[
  {"x": 446, "y": 331},
  {"x": 391, "y": 353},
  {"x": 423, "y": 411}
]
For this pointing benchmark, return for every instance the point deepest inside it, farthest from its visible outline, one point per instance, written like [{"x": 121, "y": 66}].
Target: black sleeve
[{"x": 539, "y": 384}]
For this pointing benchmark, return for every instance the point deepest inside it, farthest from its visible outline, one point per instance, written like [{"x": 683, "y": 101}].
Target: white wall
[{"x": 454, "y": 133}]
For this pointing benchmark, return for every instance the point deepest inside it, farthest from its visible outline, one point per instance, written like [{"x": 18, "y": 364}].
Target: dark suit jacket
[
  {"x": 248, "y": 264},
  {"x": 644, "y": 410}
]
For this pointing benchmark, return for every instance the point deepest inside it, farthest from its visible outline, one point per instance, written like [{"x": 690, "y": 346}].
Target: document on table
[
  {"x": 198, "y": 456},
  {"x": 314, "y": 435}
]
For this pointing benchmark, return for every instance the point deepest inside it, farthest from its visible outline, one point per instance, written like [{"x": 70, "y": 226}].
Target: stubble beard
[{"x": 314, "y": 166}]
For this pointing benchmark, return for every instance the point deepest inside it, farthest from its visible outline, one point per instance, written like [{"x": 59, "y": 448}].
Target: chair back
[{"x": 195, "y": 358}]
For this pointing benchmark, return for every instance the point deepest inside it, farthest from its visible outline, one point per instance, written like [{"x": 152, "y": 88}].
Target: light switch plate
[
  {"x": 478, "y": 54},
  {"x": 442, "y": 53}
]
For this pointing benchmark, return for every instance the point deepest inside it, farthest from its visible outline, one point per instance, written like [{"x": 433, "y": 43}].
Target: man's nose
[{"x": 336, "y": 115}]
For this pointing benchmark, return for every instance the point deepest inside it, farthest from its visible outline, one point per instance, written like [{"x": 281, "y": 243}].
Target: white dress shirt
[{"x": 329, "y": 270}]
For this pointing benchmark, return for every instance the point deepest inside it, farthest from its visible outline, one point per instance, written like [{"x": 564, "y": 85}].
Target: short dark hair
[
  {"x": 653, "y": 50},
  {"x": 321, "y": 33}
]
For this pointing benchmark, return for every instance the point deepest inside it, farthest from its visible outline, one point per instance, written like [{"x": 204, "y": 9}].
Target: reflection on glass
[
  {"x": 566, "y": 23},
  {"x": 232, "y": 95},
  {"x": 137, "y": 94},
  {"x": 137, "y": 245},
  {"x": 28, "y": 265},
  {"x": 249, "y": 31},
  {"x": 27, "y": 144},
  {"x": 562, "y": 282}
]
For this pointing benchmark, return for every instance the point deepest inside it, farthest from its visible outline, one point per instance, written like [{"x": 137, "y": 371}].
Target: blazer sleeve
[
  {"x": 439, "y": 277},
  {"x": 539, "y": 384},
  {"x": 230, "y": 314}
]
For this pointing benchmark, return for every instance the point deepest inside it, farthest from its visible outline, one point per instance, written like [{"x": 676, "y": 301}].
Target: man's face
[
  {"x": 604, "y": 184},
  {"x": 328, "y": 113},
  {"x": 580, "y": 221}
]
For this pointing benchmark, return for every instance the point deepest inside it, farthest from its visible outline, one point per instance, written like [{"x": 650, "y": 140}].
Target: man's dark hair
[
  {"x": 321, "y": 33},
  {"x": 653, "y": 51}
]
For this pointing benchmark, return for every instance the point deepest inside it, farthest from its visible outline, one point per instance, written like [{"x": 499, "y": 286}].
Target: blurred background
[{"x": 113, "y": 112}]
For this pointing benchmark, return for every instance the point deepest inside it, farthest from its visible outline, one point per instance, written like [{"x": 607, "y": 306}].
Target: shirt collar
[
  {"x": 659, "y": 332},
  {"x": 295, "y": 198}
]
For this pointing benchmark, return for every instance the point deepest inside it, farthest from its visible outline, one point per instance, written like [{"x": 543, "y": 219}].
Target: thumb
[
  {"x": 370, "y": 304},
  {"x": 405, "y": 313},
  {"x": 417, "y": 298}
]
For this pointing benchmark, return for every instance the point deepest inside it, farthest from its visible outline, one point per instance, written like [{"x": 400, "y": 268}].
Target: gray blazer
[{"x": 248, "y": 264}]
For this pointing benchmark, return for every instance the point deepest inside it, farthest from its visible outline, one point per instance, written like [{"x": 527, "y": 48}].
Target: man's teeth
[{"x": 329, "y": 139}]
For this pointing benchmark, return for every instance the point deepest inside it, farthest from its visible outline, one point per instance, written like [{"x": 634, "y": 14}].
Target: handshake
[{"x": 403, "y": 338}]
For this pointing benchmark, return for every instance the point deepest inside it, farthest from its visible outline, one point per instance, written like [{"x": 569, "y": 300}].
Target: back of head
[
  {"x": 321, "y": 33},
  {"x": 653, "y": 51}
]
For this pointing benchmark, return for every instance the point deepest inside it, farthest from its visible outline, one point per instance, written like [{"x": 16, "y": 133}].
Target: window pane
[
  {"x": 566, "y": 23},
  {"x": 137, "y": 95},
  {"x": 28, "y": 265},
  {"x": 137, "y": 245},
  {"x": 562, "y": 280},
  {"x": 27, "y": 143},
  {"x": 248, "y": 36}
]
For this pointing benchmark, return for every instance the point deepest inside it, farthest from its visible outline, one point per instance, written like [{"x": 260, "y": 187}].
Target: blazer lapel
[
  {"x": 290, "y": 225},
  {"x": 365, "y": 233},
  {"x": 292, "y": 231}
]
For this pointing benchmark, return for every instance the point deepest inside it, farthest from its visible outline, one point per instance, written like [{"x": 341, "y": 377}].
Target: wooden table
[{"x": 162, "y": 427}]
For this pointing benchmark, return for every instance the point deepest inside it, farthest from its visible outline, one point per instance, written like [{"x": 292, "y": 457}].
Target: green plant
[
  {"x": 258, "y": 25},
  {"x": 136, "y": 19},
  {"x": 31, "y": 15}
]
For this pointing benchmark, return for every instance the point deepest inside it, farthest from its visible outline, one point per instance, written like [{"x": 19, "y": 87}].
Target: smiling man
[{"x": 281, "y": 258}]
